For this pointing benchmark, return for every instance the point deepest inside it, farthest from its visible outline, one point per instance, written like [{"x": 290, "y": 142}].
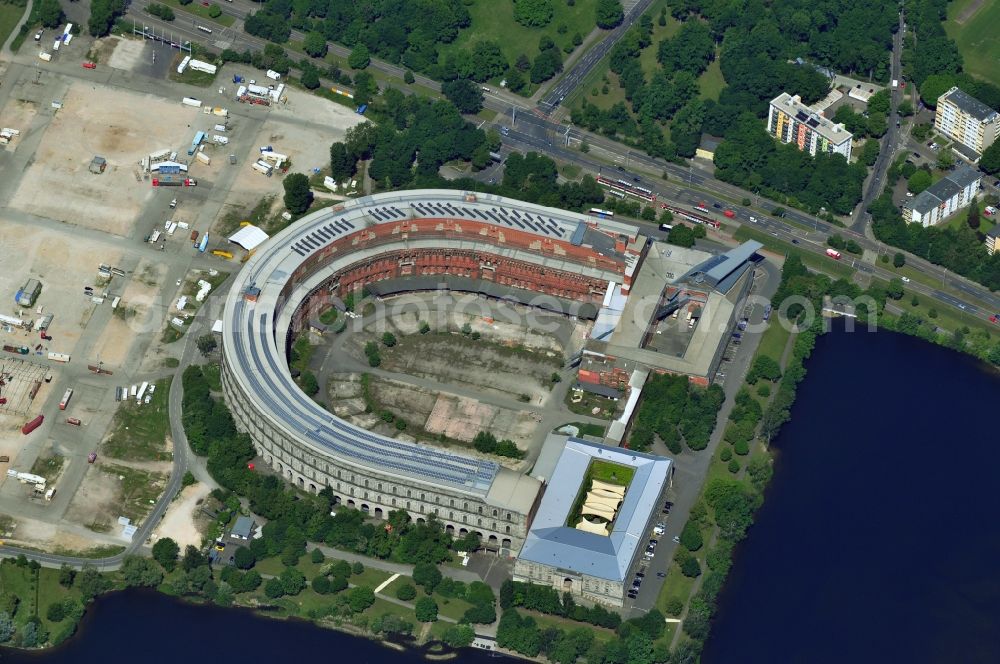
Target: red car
[
  {"x": 729, "y": 214},
  {"x": 995, "y": 318},
  {"x": 89, "y": 65}
]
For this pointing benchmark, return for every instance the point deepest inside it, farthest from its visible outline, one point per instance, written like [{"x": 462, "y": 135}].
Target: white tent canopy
[{"x": 249, "y": 237}]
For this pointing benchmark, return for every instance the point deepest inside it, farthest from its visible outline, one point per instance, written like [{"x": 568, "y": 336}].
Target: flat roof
[
  {"x": 249, "y": 237},
  {"x": 792, "y": 105},
  {"x": 551, "y": 542}
]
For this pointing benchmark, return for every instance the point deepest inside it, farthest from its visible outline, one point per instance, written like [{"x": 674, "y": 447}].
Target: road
[
  {"x": 891, "y": 140},
  {"x": 578, "y": 72}
]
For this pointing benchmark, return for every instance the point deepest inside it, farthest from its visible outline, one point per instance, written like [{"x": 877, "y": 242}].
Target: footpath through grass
[{"x": 10, "y": 14}]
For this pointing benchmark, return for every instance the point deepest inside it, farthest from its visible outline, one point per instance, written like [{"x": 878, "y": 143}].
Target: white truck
[
  {"x": 141, "y": 392},
  {"x": 270, "y": 73}
]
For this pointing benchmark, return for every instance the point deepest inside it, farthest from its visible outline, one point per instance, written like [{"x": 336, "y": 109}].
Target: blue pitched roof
[{"x": 551, "y": 542}]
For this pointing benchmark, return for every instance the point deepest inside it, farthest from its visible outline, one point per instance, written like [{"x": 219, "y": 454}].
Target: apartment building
[
  {"x": 966, "y": 120},
  {"x": 943, "y": 198},
  {"x": 791, "y": 121}
]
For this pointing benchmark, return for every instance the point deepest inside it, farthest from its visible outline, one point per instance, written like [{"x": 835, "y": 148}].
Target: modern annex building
[
  {"x": 425, "y": 239},
  {"x": 587, "y": 534},
  {"x": 943, "y": 198}
]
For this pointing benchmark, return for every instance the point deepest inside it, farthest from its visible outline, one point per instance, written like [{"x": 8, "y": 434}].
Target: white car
[
  {"x": 178, "y": 282},
  {"x": 909, "y": 194},
  {"x": 905, "y": 280},
  {"x": 753, "y": 220}
]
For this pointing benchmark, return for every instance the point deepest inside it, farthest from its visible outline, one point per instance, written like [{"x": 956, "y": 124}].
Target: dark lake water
[
  {"x": 150, "y": 628},
  {"x": 878, "y": 540}
]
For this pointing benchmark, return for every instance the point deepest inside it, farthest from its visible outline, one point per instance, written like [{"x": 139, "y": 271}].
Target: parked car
[
  {"x": 995, "y": 318},
  {"x": 89, "y": 65},
  {"x": 905, "y": 280}
]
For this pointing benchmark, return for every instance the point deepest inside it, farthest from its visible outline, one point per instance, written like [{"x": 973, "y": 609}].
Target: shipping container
[
  {"x": 59, "y": 357},
  {"x": 191, "y": 101},
  {"x": 203, "y": 158},
  {"x": 32, "y": 425},
  {"x": 74, "y": 421}
]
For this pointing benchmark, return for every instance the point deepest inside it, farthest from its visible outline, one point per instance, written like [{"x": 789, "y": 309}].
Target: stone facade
[{"x": 370, "y": 491}]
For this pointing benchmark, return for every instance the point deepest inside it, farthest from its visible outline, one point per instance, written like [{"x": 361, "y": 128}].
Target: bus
[
  {"x": 204, "y": 29},
  {"x": 598, "y": 212}
]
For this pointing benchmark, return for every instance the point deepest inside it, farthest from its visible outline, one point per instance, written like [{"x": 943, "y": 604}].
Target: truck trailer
[
  {"x": 833, "y": 253},
  {"x": 67, "y": 395},
  {"x": 32, "y": 425}
]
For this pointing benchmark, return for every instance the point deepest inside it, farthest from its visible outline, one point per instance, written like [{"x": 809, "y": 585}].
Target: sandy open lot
[
  {"x": 303, "y": 129},
  {"x": 142, "y": 311},
  {"x": 17, "y": 114},
  {"x": 64, "y": 265},
  {"x": 181, "y": 520},
  {"x": 138, "y": 125},
  {"x": 126, "y": 53}
]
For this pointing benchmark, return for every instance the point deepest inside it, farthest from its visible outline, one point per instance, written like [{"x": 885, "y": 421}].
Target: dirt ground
[
  {"x": 306, "y": 145},
  {"x": 64, "y": 265},
  {"x": 17, "y": 114},
  {"x": 54, "y": 537},
  {"x": 110, "y": 201},
  {"x": 142, "y": 312},
  {"x": 181, "y": 522}
]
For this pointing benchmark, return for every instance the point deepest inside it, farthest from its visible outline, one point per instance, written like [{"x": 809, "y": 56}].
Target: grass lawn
[
  {"x": 493, "y": 20},
  {"x": 382, "y": 606},
  {"x": 139, "y": 431},
  {"x": 711, "y": 82},
  {"x": 948, "y": 317},
  {"x": 545, "y": 620},
  {"x": 9, "y": 16},
  {"x": 449, "y": 606},
  {"x": 977, "y": 37},
  {"x": 48, "y": 465},
  {"x": 675, "y": 586},
  {"x": 611, "y": 473},
  {"x": 199, "y": 10},
  {"x": 606, "y": 407},
  {"x": 213, "y": 375},
  {"x": 36, "y": 592},
  {"x": 587, "y": 428},
  {"x": 774, "y": 340},
  {"x": 371, "y": 577},
  {"x": 202, "y": 79},
  {"x": 139, "y": 489}
]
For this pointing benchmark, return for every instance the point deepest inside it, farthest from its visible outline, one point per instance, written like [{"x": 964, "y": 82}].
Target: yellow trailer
[{"x": 222, "y": 254}]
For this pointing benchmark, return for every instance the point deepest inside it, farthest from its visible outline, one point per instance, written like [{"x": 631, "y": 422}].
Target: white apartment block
[
  {"x": 791, "y": 121},
  {"x": 966, "y": 120},
  {"x": 943, "y": 198}
]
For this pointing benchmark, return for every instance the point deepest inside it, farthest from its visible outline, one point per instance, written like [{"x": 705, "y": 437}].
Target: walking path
[{"x": 5, "y": 52}]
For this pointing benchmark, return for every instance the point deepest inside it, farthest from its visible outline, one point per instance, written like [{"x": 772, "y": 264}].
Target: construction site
[{"x": 119, "y": 175}]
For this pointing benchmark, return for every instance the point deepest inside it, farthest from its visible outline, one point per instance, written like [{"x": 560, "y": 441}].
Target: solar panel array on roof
[
  {"x": 801, "y": 116},
  {"x": 813, "y": 122}
]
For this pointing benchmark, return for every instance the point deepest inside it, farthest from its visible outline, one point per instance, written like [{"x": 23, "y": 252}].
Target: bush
[
  {"x": 161, "y": 11},
  {"x": 674, "y": 606},
  {"x": 215, "y": 11},
  {"x": 734, "y": 466},
  {"x": 691, "y": 537},
  {"x": 741, "y": 447},
  {"x": 56, "y": 612},
  {"x": 726, "y": 454},
  {"x": 426, "y": 610},
  {"x": 388, "y": 339},
  {"x": 406, "y": 592},
  {"x": 690, "y": 567},
  {"x": 357, "y": 568},
  {"x": 317, "y": 556},
  {"x": 321, "y": 584}
]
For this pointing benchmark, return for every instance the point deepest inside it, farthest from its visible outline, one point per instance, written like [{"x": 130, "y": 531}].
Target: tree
[
  {"x": 359, "y": 57},
  {"x": 464, "y": 94},
  {"x": 388, "y": 339},
  {"x": 972, "y": 218},
  {"x": 342, "y": 162},
  {"x": 298, "y": 196},
  {"x": 533, "y": 13},
  {"x": 6, "y": 627},
  {"x": 898, "y": 259},
  {"x": 274, "y": 588},
  {"x": 309, "y": 383},
  {"x": 292, "y": 581},
  {"x": 56, "y": 612},
  {"x": 51, "y": 14},
  {"x": 895, "y": 289},
  {"x": 192, "y": 558},
  {"x": 310, "y": 78},
  {"x": 91, "y": 583},
  {"x": 919, "y": 181},
  {"x": 67, "y": 574},
  {"x": 945, "y": 160},
  {"x": 990, "y": 161},
  {"x": 408, "y": 77},
  {"x": 215, "y": 11},
  {"x": 691, "y": 536},
  {"x": 609, "y": 14},
  {"x": 314, "y": 44},
  {"x": 103, "y": 14},
  {"x": 139, "y": 572},
  {"x": 165, "y": 552},
  {"x": 426, "y": 609},
  {"x": 321, "y": 584},
  {"x": 206, "y": 343},
  {"x": 357, "y": 568},
  {"x": 765, "y": 367},
  {"x": 459, "y": 636},
  {"x": 406, "y": 592},
  {"x": 427, "y": 575},
  {"x": 244, "y": 558},
  {"x": 317, "y": 556},
  {"x": 360, "y": 598},
  {"x": 690, "y": 567}
]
